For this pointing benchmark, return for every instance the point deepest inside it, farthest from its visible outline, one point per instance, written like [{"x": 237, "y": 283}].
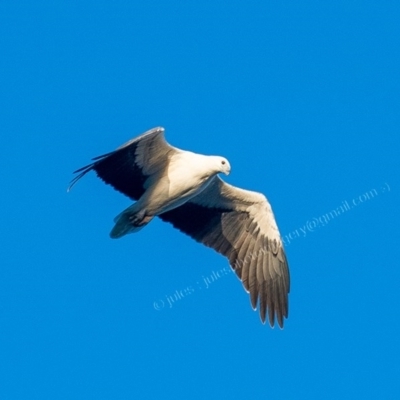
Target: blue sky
[{"x": 302, "y": 98}]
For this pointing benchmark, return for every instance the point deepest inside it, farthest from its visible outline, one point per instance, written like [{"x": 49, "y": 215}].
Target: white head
[{"x": 222, "y": 165}]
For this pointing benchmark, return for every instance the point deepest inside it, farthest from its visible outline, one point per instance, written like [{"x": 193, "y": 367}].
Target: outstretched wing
[
  {"x": 240, "y": 225},
  {"x": 128, "y": 167}
]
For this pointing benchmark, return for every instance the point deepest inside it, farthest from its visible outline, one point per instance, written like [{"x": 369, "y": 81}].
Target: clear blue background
[{"x": 301, "y": 97}]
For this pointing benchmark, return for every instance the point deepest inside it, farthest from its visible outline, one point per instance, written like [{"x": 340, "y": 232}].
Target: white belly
[{"x": 183, "y": 180}]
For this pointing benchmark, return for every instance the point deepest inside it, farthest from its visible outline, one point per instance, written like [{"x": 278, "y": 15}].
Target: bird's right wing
[{"x": 240, "y": 225}]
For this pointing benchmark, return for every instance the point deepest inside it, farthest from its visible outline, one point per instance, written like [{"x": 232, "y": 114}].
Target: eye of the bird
[{"x": 223, "y": 162}]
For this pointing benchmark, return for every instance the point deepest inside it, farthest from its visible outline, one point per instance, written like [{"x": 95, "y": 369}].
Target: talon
[{"x": 138, "y": 218}]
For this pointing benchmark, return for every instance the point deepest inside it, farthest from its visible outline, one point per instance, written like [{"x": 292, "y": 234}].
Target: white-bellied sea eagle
[{"x": 184, "y": 188}]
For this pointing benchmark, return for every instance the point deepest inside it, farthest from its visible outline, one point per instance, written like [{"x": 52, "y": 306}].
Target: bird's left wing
[
  {"x": 128, "y": 167},
  {"x": 240, "y": 225}
]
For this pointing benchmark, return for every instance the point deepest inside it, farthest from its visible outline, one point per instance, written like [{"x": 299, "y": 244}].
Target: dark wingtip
[{"x": 83, "y": 171}]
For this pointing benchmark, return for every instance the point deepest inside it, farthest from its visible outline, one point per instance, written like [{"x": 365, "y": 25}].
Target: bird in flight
[{"x": 184, "y": 189}]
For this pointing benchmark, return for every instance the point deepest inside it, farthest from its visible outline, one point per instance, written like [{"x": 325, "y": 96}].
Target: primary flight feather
[{"x": 184, "y": 188}]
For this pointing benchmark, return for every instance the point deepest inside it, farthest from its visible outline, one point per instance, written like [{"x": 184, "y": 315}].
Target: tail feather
[
  {"x": 129, "y": 222},
  {"x": 123, "y": 226}
]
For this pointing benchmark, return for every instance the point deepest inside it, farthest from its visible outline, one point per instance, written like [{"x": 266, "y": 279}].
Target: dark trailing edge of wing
[{"x": 117, "y": 169}]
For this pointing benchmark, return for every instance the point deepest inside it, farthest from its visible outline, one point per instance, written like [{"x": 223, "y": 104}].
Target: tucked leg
[{"x": 129, "y": 221}]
